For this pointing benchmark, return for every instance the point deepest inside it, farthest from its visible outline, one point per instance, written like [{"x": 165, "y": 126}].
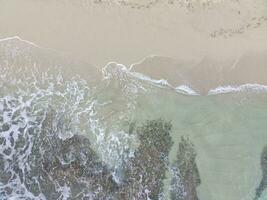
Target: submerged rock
[
  {"x": 263, "y": 184},
  {"x": 58, "y": 167},
  {"x": 73, "y": 162},
  {"x": 48, "y": 166},
  {"x": 185, "y": 174},
  {"x": 146, "y": 170}
]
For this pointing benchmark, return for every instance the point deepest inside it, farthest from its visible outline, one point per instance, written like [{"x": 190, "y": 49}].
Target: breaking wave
[
  {"x": 47, "y": 118},
  {"x": 162, "y": 83},
  {"x": 40, "y": 111},
  {"x": 241, "y": 88}
]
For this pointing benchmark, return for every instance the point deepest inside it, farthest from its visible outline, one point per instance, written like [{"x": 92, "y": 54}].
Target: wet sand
[{"x": 207, "y": 73}]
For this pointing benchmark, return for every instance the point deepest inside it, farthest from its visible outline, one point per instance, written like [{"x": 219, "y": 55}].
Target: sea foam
[{"x": 248, "y": 87}]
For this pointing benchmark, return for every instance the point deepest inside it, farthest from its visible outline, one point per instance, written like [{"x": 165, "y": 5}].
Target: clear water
[{"x": 228, "y": 130}]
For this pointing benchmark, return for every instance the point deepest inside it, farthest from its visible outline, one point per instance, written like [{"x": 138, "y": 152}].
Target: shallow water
[{"x": 228, "y": 130}]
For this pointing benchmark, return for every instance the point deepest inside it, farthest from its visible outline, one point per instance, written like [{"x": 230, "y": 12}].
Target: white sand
[{"x": 127, "y": 31}]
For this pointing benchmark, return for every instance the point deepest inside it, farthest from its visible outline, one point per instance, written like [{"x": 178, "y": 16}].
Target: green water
[
  {"x": 229, "y": 133},
  {"x": 228, "y": 130}
]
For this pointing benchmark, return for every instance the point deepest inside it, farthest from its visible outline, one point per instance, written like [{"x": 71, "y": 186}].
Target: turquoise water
[
  {"x": 41, "y": 107},
  {"x": 229, "y": 132}
]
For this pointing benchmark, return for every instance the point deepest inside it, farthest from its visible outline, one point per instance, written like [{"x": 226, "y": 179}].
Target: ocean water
[{"x": 46, "y": 100}]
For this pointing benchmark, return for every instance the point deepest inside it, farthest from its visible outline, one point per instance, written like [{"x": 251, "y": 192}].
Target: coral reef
[
  {"x": 146, "y": 170},
  {"x": 70, "y": 162},
  {"x": 186, "y": 176},
  {"x": 263, "y": 183},
  {"x": 57, "y": 166}
]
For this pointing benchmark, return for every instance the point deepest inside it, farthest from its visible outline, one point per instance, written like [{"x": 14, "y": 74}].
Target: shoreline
[
  {"x": 103, "y": 32},
  {"x": 174, "y": 74}
]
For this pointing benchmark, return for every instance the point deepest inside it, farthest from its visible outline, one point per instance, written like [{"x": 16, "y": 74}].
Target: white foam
[
  {"x": 65, "y": 192},
  {"x": 141, "y": 61},
  {"x": 18, "y": 38},
  {"x": 29, "y": 43},
  {"x": 186, "y": 90},
  {"x": 249, "y": 87},
  {"x": 158, "y": 82}
]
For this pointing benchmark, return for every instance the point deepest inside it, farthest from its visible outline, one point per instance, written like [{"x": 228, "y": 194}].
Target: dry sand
[{"x": 98, "y": 31}]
